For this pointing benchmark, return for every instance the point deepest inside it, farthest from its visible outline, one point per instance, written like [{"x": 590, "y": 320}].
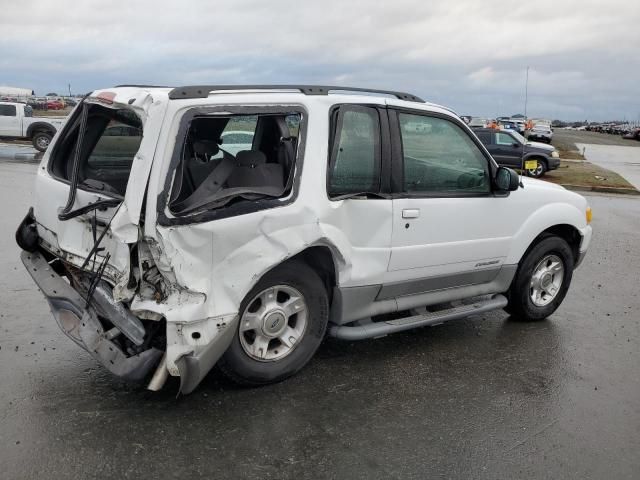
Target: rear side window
[
  {"x": 504, "y": 139},
  {"x": 111, "y": 140},
  {"x": 356, "y": 153},
  {"x": 234, "y": 161},
  {"x": 7, "y": 110}
]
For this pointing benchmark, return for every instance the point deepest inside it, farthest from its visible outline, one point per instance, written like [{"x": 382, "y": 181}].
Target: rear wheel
[
  {"x": 41, "y": 141},
  {"x": 542, "y": 279},
  {"x": 282, "y": 322}
]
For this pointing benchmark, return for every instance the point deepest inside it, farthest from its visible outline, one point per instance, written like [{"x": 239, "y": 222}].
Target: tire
[
  {"x": 541, "y": 258},
  {"x": 247, "y": 364},
  {"x": 41, "y": 141},
  {"x": 540, "y": 170}
]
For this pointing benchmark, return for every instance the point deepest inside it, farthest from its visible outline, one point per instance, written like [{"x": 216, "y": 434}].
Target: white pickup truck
[
  {"x": 17, "y": 121},
  {"x": 350, "y": 213}
]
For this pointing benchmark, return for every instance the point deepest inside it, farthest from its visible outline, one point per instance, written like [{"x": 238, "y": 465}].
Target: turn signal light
[{"x": 589, "y": 215}]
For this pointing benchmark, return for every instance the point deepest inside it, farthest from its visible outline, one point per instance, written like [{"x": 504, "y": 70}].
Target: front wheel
[
  {"x": 41, "y": 141},
  {"x": 282, "y": 322},
  {"x": 542, "y": 279},
  {"x": 538, "y": 172}
]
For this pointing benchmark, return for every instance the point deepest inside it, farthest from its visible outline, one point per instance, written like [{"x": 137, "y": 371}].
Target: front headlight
[{"x": 555, "y": 154}]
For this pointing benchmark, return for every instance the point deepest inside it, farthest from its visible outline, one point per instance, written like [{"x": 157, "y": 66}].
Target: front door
[{"x": 448, "y": 228}]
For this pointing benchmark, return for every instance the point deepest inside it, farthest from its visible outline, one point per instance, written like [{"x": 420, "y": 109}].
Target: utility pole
[
  {"x": 526, "y": 94},
  {"x": 526, "y": 97}
]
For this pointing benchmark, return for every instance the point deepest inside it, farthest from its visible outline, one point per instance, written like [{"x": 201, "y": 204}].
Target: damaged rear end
[{"x": 82, "y": 238}]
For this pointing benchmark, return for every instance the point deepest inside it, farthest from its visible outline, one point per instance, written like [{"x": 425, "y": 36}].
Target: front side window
[
  {"x": 504, "y": 139},
  {"x": 356, "y": 154},
  {"x": 7, "y": 110},
  {"x": 439, "y": 157},
  {"x": 110, "y": 142}
]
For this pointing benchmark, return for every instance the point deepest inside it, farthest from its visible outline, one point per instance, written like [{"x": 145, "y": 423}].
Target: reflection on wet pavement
[{"x": 19, "y": 152}]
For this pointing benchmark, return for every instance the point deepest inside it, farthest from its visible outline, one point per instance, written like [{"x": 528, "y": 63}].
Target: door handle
[{"x": 410, "y": 213}]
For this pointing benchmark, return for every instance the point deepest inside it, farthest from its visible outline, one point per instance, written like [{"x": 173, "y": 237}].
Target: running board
[{"x": 379, "y": 329}]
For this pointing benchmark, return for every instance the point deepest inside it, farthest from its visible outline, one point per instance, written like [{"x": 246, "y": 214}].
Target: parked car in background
[
  {"x": 234, "y": 141},
  {"x": 174, "y": 264},
  {"x": 507, "y": 125},
  {"x": 510, "y": 149},
  {"x": 55, "y": 105},
  {"x": 633, "y": 134},
  {"x": 521, "y": 126},
  {"x": 478, "y": 122},
  {"x": 541, "y": 133},
  {"x": 17, "y": 121}
]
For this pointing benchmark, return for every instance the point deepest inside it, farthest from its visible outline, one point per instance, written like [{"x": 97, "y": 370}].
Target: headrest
[
  {"x": 206, "y": 147},
  {"x": 250, "y": 158}
]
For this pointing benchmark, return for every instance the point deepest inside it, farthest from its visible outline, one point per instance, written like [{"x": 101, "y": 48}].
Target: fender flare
[
  {"x": 546, "y": 217},
  {"x": 541, "y": 156},
  {"x": 40, "y": 127}
]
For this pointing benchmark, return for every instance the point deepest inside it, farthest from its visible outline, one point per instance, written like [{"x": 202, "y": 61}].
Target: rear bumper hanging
[{"x": 81, "y": 324}]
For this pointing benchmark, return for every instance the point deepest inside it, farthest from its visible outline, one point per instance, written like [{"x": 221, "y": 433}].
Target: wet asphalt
[
  {"x": 487, "y": 397},
  {"x": 18, "y": 151}
]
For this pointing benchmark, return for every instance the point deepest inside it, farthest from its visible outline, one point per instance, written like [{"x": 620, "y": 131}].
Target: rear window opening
[
  {"x": 228, "y": 159},
  {"x": 111, "y": 140}
]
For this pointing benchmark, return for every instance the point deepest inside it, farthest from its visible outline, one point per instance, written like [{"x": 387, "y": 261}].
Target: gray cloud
[{"x": 469, "y": 55}]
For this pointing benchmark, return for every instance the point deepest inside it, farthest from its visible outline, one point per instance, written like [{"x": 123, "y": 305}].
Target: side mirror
[
  {"x": 515, "y": 144},
  {"x": 507, "y": 179}
]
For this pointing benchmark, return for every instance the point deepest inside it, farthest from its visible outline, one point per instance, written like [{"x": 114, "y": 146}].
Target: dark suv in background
[{"x": 510, "y": 149}]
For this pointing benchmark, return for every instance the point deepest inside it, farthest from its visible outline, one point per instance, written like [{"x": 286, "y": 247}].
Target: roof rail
[
  {"x": 202, "y": 91},
  {"x": 142, "y": 86}
]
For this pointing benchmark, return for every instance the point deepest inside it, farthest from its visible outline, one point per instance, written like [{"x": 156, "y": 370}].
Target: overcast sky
[{"x": 584, "y": 56}]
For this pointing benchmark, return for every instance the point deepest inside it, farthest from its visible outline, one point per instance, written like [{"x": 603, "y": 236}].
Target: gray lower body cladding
[
  {"x": 356, "y": 303},
  {"x": 378, "y": 329},
  {"x": 81, "y": 324}
]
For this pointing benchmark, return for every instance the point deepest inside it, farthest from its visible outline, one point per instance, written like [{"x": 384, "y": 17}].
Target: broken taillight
[{"x": 106, "y": 97}]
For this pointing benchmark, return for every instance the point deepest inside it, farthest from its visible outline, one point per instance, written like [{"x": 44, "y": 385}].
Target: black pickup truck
[{"x": 510, "y": 149}]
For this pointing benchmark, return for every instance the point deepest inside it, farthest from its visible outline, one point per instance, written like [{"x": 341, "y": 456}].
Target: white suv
[{"x": 354, "y": 212}]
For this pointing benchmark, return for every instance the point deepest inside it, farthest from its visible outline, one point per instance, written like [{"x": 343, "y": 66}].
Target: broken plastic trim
[{"x": 99, "y": 205}]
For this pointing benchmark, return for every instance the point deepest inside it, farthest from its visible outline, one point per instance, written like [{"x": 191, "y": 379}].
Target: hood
[
  {"x": 551, "y": 192},
  {"x": 541, "y": 146},
  {"x": 535, "y": 183}
]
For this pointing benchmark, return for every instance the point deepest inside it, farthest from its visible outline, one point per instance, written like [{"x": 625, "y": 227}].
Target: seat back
[{"x": 252, "y": 170}]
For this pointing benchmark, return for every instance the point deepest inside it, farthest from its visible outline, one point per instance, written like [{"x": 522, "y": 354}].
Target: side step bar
[{"x": 379, "y": 329}]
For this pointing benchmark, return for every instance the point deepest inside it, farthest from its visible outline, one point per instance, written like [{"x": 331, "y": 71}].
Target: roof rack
[
  {"x": 142, "y": 86},
  {"x": 202, "y": 91}
]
